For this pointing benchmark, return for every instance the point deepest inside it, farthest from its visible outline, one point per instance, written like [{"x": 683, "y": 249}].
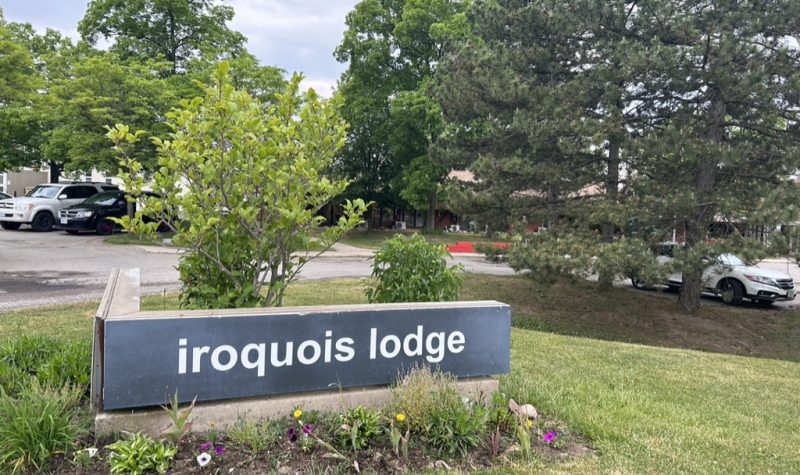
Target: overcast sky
[{"x": 296, "y": 35}]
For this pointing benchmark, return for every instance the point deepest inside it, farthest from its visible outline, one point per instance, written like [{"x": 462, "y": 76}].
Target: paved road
[{"x": 50, "y": 268}]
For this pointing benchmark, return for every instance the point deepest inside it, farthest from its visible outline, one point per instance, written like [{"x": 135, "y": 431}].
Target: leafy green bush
[
  {"x": 256, "y": 437},
  {"x": 357, "y": 427},
  {"x": 493, "y": 252},
  {"x": 140, "y": 454},
  {"x": 435, "y": 410},
  {"x": 412, "y": 270},
  {"x": 36, "y": 423}
]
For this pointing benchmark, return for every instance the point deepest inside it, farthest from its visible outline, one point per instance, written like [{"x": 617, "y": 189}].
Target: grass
[
  {"x": 374, "y": 239},
  {"x": 644, "y": 409}
]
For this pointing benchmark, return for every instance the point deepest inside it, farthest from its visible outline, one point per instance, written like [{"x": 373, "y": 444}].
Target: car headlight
[
  {"x": 84, "y": 214},
  {"x": 23, "y": 206},
  {"x": 762, "y": 280}
]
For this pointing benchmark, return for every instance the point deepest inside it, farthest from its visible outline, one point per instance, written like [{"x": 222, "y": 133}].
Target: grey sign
[{"x": 227, "y": 354}]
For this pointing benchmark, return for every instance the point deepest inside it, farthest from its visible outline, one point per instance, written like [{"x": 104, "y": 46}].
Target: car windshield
[
  {"x": 43, "y": 191},
  {"x": 106, "y": 198},
  {"x": 731, "y": 260}
]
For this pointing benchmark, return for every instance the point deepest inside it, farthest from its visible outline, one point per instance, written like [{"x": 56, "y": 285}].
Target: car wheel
[
  {"x": 732, "y": 291},
  {"x": 104, "y": 227},
  {"x": 10, "y": 226},
  {"x": 639, "y": 284},
  {"x": 43, "y": 221}
]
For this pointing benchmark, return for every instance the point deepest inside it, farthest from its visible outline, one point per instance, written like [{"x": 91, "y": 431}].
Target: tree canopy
[{"x": 174, "y": 30}]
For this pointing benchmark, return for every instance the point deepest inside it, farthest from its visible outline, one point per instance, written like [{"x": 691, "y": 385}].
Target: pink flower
[
  {"x": 550, "y": 436},
  {"x": 205, "y": 446},
  {"x": 308, "y": 429}
]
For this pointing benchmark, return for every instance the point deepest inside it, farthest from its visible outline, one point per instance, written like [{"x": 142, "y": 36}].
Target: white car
[
  {"x": 734, "y": 280},
  {"x": 40, "y": 207}
]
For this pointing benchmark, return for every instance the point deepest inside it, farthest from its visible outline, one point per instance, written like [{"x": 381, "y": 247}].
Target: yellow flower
[
  {"x": 297, "y": 413},
  {"x": 400, "y": 417},
  {"x": 529, "y": 423}
]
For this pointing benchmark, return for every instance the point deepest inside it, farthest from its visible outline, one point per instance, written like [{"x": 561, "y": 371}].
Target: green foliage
[
  {"x": 70, "y": 364},
  {"x": 38, "y": 422},
  {"x": 180, "y": 425},
  {"x": 256, "y": 437},
  {"x": 52, "y": 362},
  {"x": 455, "y": 426},
  {"x": 253, "y": 178},
  {"x": 548, "y": 145},
  {"x": 140, "y": 454},
  {"x": 392, "y": 49},
  {"x": 176, "y": 30},
  {"x": 411, "y": 270},
  {"x": 357, "y": 427},
  {"x": 436, "y": 411},
  {"x": 492, "y": 252}
]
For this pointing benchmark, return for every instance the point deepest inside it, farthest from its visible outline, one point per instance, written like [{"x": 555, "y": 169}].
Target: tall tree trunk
[
  {"x": 606, "y": 278},
  {"x": 55, "y": 171},
  {"x": 430, "y": 218},
  {"x": 698, "y": 223}
]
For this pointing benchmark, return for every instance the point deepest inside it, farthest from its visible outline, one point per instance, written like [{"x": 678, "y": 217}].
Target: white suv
[
  {"x": 41, "y": 205},
  {"x": 732, "y": 279}
]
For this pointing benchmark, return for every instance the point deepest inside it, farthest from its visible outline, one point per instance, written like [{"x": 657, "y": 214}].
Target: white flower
[
  {"x": 91, "y": 451},
  {"x": 203, "y": 459}
]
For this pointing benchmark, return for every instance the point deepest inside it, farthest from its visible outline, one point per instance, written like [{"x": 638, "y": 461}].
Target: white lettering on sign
[{"x": 255, "y": 356}]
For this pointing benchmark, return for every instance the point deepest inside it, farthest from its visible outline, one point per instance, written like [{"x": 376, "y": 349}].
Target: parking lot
[{"x": 55, "y": 267}]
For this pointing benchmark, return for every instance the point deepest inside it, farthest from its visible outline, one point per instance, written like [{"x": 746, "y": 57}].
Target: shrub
[
  {"x": 256, "y": 437},
  {"x": 435, "y": 410},
  {"x": 38, "y": 422},
  {"x": 493, "y": 252},
  {"x": 140, "y": 454},
  {"x": 357, "y": 427},
  {"x": 412, "y": 270}
]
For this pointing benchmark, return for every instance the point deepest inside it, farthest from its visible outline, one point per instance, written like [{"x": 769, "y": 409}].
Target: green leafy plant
[
  {"x": 255, "y": 437},
  {"x": 455, "y": 426},
  {"x": 248, "y": 180},
  {"x": 179, "y": 425},
  {"x": 53, "y": 362},
  {"x": 71, "y": 364},
  {"x": 357, "y": 427},
  {"x": 399, "y": 440},
  {"x": 434, "y": 409},
  {"x": 412, "y": 270},
  {"x": 36, "y": 423},
  {"x": 140, "y": 454},
  {"x": 493, "y": 252}
]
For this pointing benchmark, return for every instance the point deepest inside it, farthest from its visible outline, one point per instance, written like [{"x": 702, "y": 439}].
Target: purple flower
[
  {"x": 219, "y": 450},
  {"x": 205, "y": 446},
  {"x": 292, "y": 434},
  {"x": 550, "y": 436},
  {"x": 308, "y": 429}
]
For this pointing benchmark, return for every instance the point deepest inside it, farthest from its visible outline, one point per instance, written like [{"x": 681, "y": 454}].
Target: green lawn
[
  {"x": 644, "y": 409},
  {"x": 374, "y": 239}
]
